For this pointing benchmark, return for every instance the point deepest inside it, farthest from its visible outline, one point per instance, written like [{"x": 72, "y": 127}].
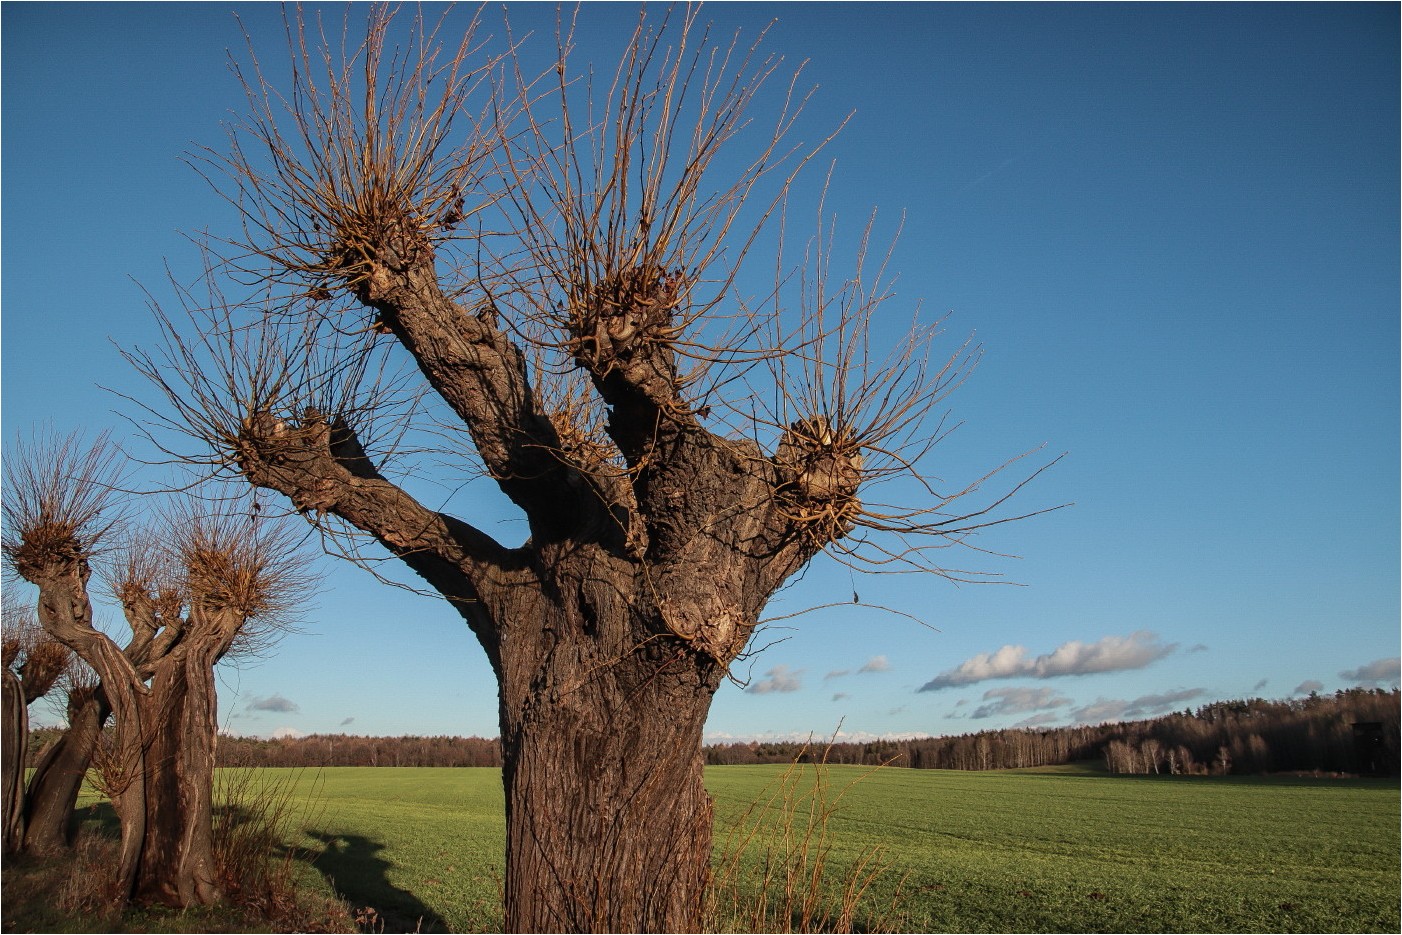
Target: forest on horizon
[{"x": 1354, "y": 731}]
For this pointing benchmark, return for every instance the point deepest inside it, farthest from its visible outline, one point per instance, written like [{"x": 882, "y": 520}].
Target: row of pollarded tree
[
  {"x": 36, "y": 810},
  {"x": 194, "y": 585}
]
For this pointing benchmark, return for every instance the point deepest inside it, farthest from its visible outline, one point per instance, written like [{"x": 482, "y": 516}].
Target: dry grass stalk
[
  {"x": 256, "y": 817},
  {"x": 775, "y": 873}
]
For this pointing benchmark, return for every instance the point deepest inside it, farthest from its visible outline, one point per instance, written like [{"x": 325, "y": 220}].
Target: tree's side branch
[{"x": 319, "y": 465}]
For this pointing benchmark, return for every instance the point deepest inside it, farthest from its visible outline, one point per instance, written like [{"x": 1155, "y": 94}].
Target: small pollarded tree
[
  {"x": 34, "y": 664},
  {"x": 52, "y": 794},
  {"x": 540, "y": 271},
  {"x": 39, "y": 812},
  {"x": 193, "y": 586}
]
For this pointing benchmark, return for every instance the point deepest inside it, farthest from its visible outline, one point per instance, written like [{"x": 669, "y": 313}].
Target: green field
[{"x": 1033, "y": 850}]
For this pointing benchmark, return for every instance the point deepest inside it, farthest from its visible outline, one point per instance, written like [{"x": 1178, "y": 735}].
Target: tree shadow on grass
[
  {"x": 351, "y": 863},
  {"x": 353, "y": 866}
]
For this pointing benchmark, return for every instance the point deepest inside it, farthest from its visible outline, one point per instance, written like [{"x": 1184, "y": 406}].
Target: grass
[
  {"x": 1032, "y": 850},
  {"x": 776, "y": 867},
  {"x": 1071, "y": 850}
]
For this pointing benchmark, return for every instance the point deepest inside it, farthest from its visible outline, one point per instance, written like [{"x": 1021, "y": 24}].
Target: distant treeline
[
  {"x": 1314, "y": 734},
  {"x": 1352, "y": 731},
  {"x": 344, "y": 750}
]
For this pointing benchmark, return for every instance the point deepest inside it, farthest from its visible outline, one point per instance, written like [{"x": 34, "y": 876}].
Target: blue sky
[{"x": 1174, "y": 228}]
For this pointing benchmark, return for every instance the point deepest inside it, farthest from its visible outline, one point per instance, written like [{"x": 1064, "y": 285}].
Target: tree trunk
[
  {"x": 53, "y": 790},
  {"x": 608, "y": 823},
  {"x": 15, "y": 741},
  {"x": 177, "y": 857}
]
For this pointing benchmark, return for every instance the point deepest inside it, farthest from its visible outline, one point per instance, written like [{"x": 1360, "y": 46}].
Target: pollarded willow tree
[
  {"x": 536, "y": 275},
  {"x": 34, "y": 664},
  {"x": 39, "y": 811}
]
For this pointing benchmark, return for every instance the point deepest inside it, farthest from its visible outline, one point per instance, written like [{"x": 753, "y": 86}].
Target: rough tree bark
[
  {"x": 177, "y": 856},
  {"x": 60, "y": 570},
  {"x": 12, "y": 756},
  {"x": 44, "y": 662},
  {"x": 611, "y": 629},
  {"x": 220, "y": 577}
]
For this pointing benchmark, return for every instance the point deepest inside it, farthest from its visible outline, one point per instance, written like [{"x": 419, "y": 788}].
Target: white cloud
[
  {"x": 1110, "y": 654},
  {"x": 781, "y": 678},
  {"x": 837, "y": 674},
  {"x": 1379, "y": 670},
  {"x": 282, "y": 732},
  {"x": 1006, "y": 663},
  {"x": 876, "y": 664}
]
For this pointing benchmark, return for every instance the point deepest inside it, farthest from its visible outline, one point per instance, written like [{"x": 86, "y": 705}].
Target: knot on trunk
[
  {"x": 294, "y": 457},
  {"x": 583, "y": 444},
  {"x": 819, "y": 471},
  {"x": 270, "y": 439},
  {"x": 374, "y": 241},
  {"x": 708, "y": 623},
  {"x": 627, "y": 311},
  {"x": 48, "y": 545}
]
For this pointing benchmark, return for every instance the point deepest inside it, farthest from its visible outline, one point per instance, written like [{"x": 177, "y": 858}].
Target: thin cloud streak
[
  {"x": 1019, "y": 700},
  {"x": 1104, "y": 710}
]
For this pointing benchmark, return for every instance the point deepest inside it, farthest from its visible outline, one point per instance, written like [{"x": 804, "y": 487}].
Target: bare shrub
[{"x": 256, "y": 816}]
